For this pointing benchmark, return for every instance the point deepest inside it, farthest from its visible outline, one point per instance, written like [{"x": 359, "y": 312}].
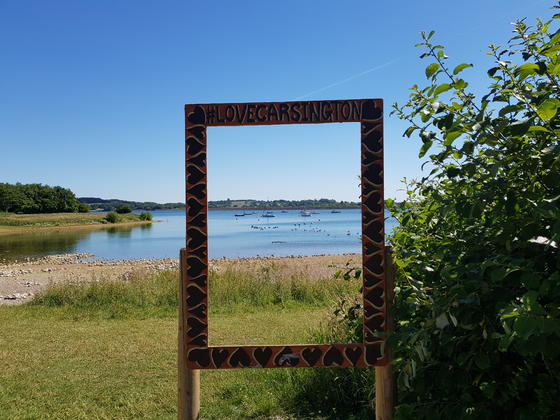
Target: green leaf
[
  {"x": 510, "y": 108},
  {"x": 425, "y": 147},
  {"x": 468, "y": 147},
  {"x": 538, "y": 128},
  {"x": 482, "y": 361},
  {"x": 551, "y": 51},
  {"x": 453, "y": 172},
  {"x": 444, "y": 87},
  {"x": 519, "y": 128},
  {"x": 554, "y": 67},
  {"x": 425, "y": 115},
  {"x": 526, "y": 327},
  {"x": 493, "y": 71},
  {"x": 446, "y": 121},
  {"x": 460, "y": 84},
  {"x": 450, "y": 137},
  {"x": 548, "y": 108},
  {"x": 526, "y": 70},
  {"x": 461, "y": 67},
  {"x": 512, "y": 314},
  {"x": 409, "y": 131},
  {"x": 431, "y": 69}
]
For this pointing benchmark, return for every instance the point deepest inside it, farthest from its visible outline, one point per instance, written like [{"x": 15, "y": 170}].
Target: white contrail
[{"x": 340, "y": 82}]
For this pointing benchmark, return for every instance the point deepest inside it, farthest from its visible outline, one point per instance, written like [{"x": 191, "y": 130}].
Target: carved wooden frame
[{"x": 199, "y": 355}]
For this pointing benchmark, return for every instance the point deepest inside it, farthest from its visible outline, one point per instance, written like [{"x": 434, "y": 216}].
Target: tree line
[
  {"x": 38, "y": 198},
  {"x": 113, "y": 204},
  {"x": 280, "y": 204}
]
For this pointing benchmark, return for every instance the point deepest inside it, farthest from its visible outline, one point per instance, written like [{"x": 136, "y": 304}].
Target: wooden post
[
  {"x": 384, "y": 380},
  {"x": 188, "y": 387}
]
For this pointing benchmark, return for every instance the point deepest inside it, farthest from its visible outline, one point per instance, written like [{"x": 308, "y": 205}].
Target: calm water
[{"x": 288, "y": 233}]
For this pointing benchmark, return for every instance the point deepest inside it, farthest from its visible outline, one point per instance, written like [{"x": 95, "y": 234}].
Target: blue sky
[{"x": 92, "y": 92}]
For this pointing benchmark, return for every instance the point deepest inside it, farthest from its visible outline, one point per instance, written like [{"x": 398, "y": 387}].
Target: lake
[{"x": 288, "y": 233}]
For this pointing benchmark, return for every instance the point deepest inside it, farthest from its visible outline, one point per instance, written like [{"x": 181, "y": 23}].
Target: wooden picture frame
[{"x": 194, "y": 281}]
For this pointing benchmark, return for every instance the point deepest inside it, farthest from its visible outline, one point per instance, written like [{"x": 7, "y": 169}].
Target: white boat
[
  {"x": 268, "y": 214},
  {"x": 242, "y": 214},
  {"x": 305, "y": 213}
]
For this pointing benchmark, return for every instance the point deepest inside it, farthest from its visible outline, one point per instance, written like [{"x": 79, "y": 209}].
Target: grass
[
  {"x": 60, "y": 219},
  {"x": 107, "y": 350}
]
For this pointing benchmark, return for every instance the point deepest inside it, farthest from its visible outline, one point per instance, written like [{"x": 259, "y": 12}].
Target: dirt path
[{"x": 22, "y": 280}]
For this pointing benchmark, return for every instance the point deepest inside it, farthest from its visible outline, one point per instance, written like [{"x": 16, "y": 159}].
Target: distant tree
[
  {"x": 122, "y": 209},
  {"x": 146, "y": 215},
  {"x": 83, "y": 208},
  {"x": 36, "y": 198}
]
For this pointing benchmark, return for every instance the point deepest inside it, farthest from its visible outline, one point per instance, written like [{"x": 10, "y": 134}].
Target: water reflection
[
  {"x": 146, "y": 227},
  {"x": 123, "y": 232},
  {"x": 48, "y": 242},
  {"x": 41, "y": 243}
]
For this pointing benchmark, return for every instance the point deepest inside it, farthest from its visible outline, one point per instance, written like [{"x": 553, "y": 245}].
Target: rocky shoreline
[{"x": 21, "y": 280}]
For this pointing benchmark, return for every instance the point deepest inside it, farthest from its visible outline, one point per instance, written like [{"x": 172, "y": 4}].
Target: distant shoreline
[
  {"x": 11, "y": 223},
  {"x": 97, "y": 204},
  {"x": 282, "y": 208}
]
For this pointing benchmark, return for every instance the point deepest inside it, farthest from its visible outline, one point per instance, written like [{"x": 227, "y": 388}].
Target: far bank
[{"x": 11, "y": 223}]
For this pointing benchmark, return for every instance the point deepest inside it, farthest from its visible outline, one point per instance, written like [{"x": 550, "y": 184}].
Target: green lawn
[
  {"x": 93, "y": 352},
  {"x": 54, "y": 368}
]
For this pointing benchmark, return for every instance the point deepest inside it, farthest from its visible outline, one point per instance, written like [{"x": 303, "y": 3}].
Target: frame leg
[
  {"x": 384, "y": 379},
  {"x": 188, "y": 387}
]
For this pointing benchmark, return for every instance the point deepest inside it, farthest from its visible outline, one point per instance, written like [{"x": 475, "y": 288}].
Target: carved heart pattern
[
  {"x": 311, "y": 356},
  {"x": 219, "y": 356},
  {"x": 262, "y": 355}
]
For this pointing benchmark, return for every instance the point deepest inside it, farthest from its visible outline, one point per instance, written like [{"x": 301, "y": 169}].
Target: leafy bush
[
  {"x": 478, "y": 296},
  {"x": 83, "y": 208},
  {"x": 146, "y": 215},
  {"x": 112, "y": 217},
  {"x": 123, "y": 209}
]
